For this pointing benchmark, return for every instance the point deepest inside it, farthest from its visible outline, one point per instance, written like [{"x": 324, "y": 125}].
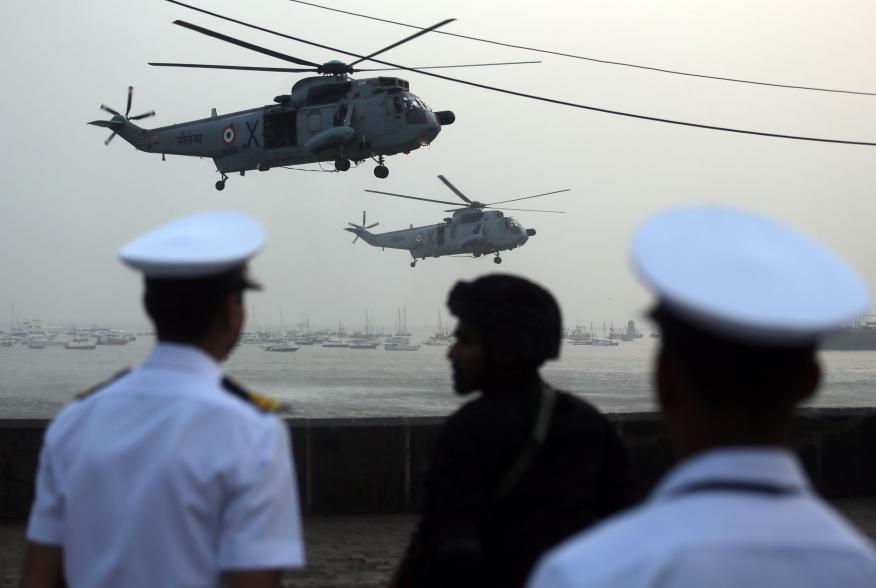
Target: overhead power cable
[
  {"x": 583, "y": 58},
  {"x": 532, "y": 96}
]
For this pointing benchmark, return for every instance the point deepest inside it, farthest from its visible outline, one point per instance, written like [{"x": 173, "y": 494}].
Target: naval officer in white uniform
[
  {"x": 170, "y": 475},
  {"x": 742, "y": 302}
]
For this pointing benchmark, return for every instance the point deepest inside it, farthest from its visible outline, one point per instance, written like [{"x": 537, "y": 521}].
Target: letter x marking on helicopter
[{"x": 252, "y": 135}]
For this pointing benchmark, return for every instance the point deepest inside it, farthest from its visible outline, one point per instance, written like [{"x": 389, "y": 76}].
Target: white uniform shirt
[
  {"x": 164, "y": 478},
  {"x": 719, "y": 539}
]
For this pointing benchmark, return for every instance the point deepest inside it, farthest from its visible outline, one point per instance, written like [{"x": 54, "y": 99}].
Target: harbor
[{"x": 320, "y": 382}]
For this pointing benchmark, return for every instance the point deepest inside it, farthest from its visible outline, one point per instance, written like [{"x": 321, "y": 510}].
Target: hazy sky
[{"x": 68, "y": 203}]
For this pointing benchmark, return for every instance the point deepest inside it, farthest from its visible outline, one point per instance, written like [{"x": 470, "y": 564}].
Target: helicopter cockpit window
[
  {"x": 327, "y": 94},
  {"x": 515, "y": 229},
  {"x": 414, "y": 113}
]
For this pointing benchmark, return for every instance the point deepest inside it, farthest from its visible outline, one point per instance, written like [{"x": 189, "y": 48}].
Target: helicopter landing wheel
[
  {"x": 220, "y": 185},
  {"x": 497, "y": 260},
  {"x": 381, "y": 171},
  {"x": 342, "y": 164},
  {"x": 476, "y": 254},
  {"x": 414, "y": 263}
]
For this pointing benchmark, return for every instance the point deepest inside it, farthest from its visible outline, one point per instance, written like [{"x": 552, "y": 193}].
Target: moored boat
[
  {"x": 858, "y": 337},
  {"x": 81, "y": 344}
]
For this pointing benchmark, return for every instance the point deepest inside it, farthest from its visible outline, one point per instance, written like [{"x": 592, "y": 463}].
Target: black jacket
[{"x": 470, "y": 536}]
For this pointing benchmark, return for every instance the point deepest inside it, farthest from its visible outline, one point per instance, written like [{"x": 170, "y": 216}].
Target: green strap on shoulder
[{"x": 539, "y": 434}]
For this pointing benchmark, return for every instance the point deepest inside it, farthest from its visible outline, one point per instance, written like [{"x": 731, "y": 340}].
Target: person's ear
[
  {"x": 809, "y": 382},
  {"x": 666, "y": 379},
  {"x": 232, "y": 314}
]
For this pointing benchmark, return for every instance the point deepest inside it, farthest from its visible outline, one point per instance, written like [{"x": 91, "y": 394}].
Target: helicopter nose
[
  {"x": 530, "y": 232},
  {"x": 433, "y": 127},
  {"x": 445, "y": 117}
]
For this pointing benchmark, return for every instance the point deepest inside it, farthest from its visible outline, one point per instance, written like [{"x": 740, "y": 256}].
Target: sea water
[{"x": 341, "y": 382}]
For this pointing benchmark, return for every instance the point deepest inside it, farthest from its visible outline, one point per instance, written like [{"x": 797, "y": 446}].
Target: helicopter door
[
  {"x": 314, "y": 121},
  {"x": 280, "y": 130},
  {"x": 441, "y": 235}
]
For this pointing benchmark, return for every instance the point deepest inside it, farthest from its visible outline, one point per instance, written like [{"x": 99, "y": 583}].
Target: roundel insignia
[
  {"x": 419, "y": 238},
  {"x": 228, "y": 134}
]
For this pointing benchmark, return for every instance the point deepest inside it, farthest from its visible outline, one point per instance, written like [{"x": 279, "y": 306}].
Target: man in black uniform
[{"x": 523, "y": 466}]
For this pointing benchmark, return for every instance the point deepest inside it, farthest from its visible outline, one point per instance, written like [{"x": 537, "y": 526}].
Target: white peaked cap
[
  {"x": 746, "y": 277},
  {"x": 195, "y": 246}
]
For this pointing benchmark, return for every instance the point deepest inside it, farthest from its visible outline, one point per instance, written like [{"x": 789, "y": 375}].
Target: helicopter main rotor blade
[
  {"x": 526, "y": 209},
  {"x": 142, "y": 116},
  {"x": 581, "y": 57},
  {"x": 528, "y": 197},
  {"x": 243, "y": 44},
  {"x": 405, "y": 40},
  {"x": 454, "y": 189},
  {"x": 450, "y": 66},
  {"x": 237, "y": 67},
  {"x": 413, "y": 197},
  {"x": 542, "y": 98}
]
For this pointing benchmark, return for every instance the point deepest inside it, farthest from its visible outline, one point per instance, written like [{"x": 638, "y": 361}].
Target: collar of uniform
[
  {"x": 185, "y": 358},
  {"x": 772, "y": 465}
]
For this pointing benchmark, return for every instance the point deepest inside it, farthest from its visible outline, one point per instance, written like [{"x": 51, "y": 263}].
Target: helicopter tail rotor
[
  {"x": 118, "y": 121},
  {"x": 358, "y": 230}
]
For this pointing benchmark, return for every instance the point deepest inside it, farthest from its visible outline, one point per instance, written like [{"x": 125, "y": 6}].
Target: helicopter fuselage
[
  {"x": 322, "y": 119},
  {"x": 468, "y": 232}
]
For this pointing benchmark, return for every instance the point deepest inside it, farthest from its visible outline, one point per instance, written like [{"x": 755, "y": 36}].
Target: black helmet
[{"x": 513, "y": 314}]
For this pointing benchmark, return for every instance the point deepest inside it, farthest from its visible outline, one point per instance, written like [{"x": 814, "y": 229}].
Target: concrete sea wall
[{"x": 376, "y": 465}]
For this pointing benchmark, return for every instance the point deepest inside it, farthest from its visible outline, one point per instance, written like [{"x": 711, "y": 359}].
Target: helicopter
[
  {"x": 330, "y": 117},
  {"x": 471, "y": 230}
]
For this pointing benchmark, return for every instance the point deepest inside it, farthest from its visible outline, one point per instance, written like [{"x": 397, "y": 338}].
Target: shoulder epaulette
[
  {"x": 91, "y": 390},
  {"x": 261, "y": 402}
]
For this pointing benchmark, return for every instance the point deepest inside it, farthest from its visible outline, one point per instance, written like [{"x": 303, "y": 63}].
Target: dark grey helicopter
[{"x": 330, "y": 117}]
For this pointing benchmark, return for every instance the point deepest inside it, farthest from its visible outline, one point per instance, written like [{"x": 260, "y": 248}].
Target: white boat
[
  {"x": 339, "y": 344},
  {"x": 399, "y": 343},
  {"x": 580, "y": 335},
  {"x": 363, "y": 344},
  {"x": 397, "y": 347},
  {"x": 281, "y": 348},
  {"x": 81, "y": 344}
]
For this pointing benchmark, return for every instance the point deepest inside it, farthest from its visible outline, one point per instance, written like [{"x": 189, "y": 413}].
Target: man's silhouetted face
[{"x": 466, "y": 357}]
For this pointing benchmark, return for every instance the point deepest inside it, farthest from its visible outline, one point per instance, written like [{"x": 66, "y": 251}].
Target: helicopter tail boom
[
  {"x": 108, "y": 124},
  {"x": 361, "y": 231},
  {"x": 363, "y": 234},
  {"x": 124, "y": 128}
]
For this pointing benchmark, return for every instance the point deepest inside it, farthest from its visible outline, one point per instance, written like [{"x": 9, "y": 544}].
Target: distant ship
[
  {"x": 81, "y": 344},
  {"x": 859, "y": 337},
  {"x": 284, "y": 347}
]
